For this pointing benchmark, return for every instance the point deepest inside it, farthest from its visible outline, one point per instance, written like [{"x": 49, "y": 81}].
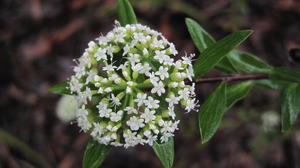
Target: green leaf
[
  {"x": 237, "y": 92},
  {"x": 216, "y": 52},
  {"x": 95, "y": 153},
  {"x": 271, "y": 84},
  {"x": 290, "y": 105},
  {"x": 285, "y": 74},
  {"x": 61, "y": 88},
  {"x": 23, "y": 149},
  {"x": 126, "y": 13},
  {"x": 203, "y": 40},
  {"x": 165, "y": 152},
  {"x": 211, "y": 112},
  {"x": 225, "y": 65},
  {"x": 248, "y": 62}
]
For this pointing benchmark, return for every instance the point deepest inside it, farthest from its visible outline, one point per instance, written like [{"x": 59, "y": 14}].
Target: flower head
[{"x": 127, "y": 84}]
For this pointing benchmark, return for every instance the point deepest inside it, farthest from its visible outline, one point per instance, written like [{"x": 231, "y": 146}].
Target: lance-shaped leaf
[
  {"x": 211, "y": 112},
  {"x": 271, "y": 84},
  {"x": 95, "y": 153},
  {"x": 290, "y": 105},
  {"x": 203, "y": 40},
  {"x": 248, "y": 62},
  {"x": 285, "y": 74},
  {"x": 217, "y": 51},
  {"x": 237, "y": 92},
  {"x": 61, "y": 88},
  {"x": 165, "y": 152},
  {"x": 126, "y": 13}
]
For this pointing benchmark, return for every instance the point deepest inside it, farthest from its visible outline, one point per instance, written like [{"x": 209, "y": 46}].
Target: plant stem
[
  {"x": 239, "y": 77},
  {"x": 23, "y": 148}
]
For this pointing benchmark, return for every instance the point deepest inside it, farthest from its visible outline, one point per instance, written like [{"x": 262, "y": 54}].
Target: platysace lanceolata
[{"x": 128, "y": 84}]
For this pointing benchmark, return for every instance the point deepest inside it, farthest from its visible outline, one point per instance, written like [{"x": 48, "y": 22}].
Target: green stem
[
  {"x": 145, "y": 84},
  {"x": 23, "y": 148}
]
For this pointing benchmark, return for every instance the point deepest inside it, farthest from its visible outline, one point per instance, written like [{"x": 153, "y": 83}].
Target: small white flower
[
  {"x": 115, "y": 78},
  {"x": 131, "y": 110},
  {"x": 101, "y": 54},
  {"x": 109, "y": 67},
  {"x": 79, "y": 71},
  {"x": 135, "y": 123},
  {"x": 90, "y": 77},
  {"x": 145, "y": 52},
  {"x": 160, "y": 56},
  {"x": 157, "y": 44},
  {"x": 178, "y": 64},
  {"x": 172, "y": 49},
  {"x": 126, "y": 49},
  {"x": 168, "y": 60},
  {"x": 141, "y": 99},
  {"x": 102, "y": 40},
  {"x": 152, "y": 103},
  {"x": 105, "y": 112},
  {"x": 130, "y": 139},
  {"x": 108, "y": 89},
  {"x": 115, "y": 100},
  {"x": 83, "y": 97},
  {"x": 115, "y": 117},
  {"x": 83, "y": 123},
  {"x": 162, "y": 73},
  {"x": 133, "y": 58},
  {"x": 151, "y": 139},
  {"x": 165, "y": 137},
  {"x": 153, "y": 78},
  {"x": 190, "y": 73},
  {"x": 98, "y": 130},
  {"x": 158, "y": 88},
  {"x": 148, "y": 115},
  {"x": 137, "y": 67},
  {"x": 171, "y": 111},
  {"x": 187, "y": 60},
  {"x": 145, "y": 69},
  {"x": 120, "y": 37},
  {"x": 172, "y": 99},
  {"x": 75, "y": 85},
  {"x": 191, "y": 103},
  {"x": 184, "y": 93},
  {"x": 110, "y": 50}
]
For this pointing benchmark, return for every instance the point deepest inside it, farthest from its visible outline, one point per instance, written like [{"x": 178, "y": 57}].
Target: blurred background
[{"x": 39, "y": 39}]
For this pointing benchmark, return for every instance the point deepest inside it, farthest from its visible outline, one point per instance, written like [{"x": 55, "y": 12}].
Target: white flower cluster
[{"x": 128, "y": 85}]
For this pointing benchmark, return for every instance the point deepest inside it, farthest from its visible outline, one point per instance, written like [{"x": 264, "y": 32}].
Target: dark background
[{"x": 39, "y": 39}]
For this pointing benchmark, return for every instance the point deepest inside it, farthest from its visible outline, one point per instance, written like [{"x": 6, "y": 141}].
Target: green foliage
[
  {"x": 238, "y": 92},
  {"x": 290, "y": 105},
  {"x": 95, "y": 154},
  {"x": 222, "y": 55},
  {"x": 126, "y": 13},
  {"x": 211, "y": 112},
  {"x": 22, "y": 148},
  {"x": 234, "y": 60},
  {"x": 271, "y": 84},
  {"x": 285, "y": 74},
  {"x": 203, "y": 40},
  {"x": 216, "y": 52},
  {"x": 248, "y": 62},
  {"x": 61, "y": 88},
  {"x": 165, "y": 152}
]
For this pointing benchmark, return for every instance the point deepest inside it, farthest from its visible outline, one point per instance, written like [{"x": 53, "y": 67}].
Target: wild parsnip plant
[{"x": 127, "y": 84}]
